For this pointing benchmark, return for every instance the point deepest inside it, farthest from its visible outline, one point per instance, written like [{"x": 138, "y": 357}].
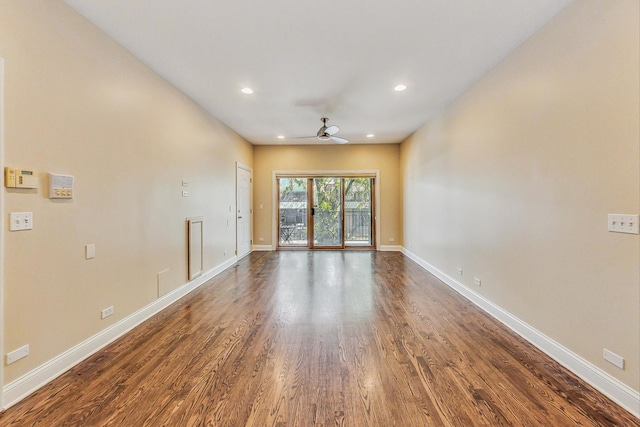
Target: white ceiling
[{"x": 308, "y": 59}]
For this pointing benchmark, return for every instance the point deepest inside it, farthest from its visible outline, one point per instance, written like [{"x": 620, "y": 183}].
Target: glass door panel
[
  {"x": 292, "y": 212},
  {"x": 358, "y": 218},
  {"x": 327, "y": 212}
]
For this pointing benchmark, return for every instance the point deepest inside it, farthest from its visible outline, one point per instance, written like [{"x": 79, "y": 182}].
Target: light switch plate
[
  {"x": 90, "y": 251},
  {"x": 20, "y": 221},
  {"x": 622, "y": 223}
]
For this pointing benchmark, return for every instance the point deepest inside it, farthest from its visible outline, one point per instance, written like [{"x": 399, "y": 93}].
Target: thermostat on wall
[
  {"x": 60, "y": 186},
  {"x": 20, "y": 178}
]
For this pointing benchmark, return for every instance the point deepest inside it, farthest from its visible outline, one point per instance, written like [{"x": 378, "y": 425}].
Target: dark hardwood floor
[{"x": 319, "y": 339}]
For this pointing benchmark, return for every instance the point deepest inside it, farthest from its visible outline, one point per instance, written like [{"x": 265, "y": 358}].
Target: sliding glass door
[
  {"x": 358, "y": 212},
  {"x": 293, "y": 213},
  {"x": 326, "y": 212}
]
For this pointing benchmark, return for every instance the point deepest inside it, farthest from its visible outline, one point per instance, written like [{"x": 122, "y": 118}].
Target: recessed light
[
  {"x": 280, "y": 136},
  {"x": 400, "y": 88},
  {"x": 246, "y": 90},
  {"x": 370, "y": 135}
]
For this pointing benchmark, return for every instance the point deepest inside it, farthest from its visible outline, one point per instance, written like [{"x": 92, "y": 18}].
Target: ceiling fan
[{"x": 325, "y": 133}]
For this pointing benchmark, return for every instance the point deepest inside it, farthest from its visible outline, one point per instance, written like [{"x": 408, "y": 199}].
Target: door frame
[
  {"x": 2, "y": 231},
  {"x": 248, "y": 169},
  {"x": 325, "y": 173}
]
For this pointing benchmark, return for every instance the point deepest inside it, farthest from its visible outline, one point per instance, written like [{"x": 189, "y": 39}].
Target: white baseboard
[
  {"x": 620, "y": 393},
  {"x": 30, "y": 382},
  {"x": 262, "y": 248},
  {"x": 390, "y": 248}
]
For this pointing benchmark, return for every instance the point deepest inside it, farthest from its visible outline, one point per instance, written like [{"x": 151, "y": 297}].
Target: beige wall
[
  {"x": 329, "y": 157},
  {"x": 513, "y": 183},
  {"x": 77, "y": 103}
]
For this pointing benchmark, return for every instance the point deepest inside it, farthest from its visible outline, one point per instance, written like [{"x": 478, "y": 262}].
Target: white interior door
[{"x": 243, "y": 201}]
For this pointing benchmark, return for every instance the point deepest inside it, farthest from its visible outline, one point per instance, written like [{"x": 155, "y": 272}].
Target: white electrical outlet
[
  {"x": 477, "y": 281},
  {"x": 106, "y": 312},
  {"x": 620, "y": 223},
  {"x": 185, "y": 193},
  {"x": 611, "y": 357},
  {"x": 392, "y": 239},
  {"x": 17, "y": 354},
  {"x": 460, "y": 271},
  {"x": 260, "y": 239}
]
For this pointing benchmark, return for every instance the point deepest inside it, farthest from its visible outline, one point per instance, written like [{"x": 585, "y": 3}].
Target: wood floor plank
[{"x": 319, "y": 339}]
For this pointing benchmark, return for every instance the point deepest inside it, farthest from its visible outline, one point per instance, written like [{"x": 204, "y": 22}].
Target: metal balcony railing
[{"x": 293, "y": 227}]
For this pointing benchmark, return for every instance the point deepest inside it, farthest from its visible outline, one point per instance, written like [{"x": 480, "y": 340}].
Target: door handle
[
  {"x": 239, "y": 217},
  {"x": 313, "y": 211}
]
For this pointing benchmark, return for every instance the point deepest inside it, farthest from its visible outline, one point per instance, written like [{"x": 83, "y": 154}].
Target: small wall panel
[{"x": 195, "y": 245}]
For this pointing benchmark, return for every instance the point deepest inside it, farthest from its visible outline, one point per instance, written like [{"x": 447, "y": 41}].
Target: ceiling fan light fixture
[
  {"x": 400, "y": 88},
  {"x": 246, "y": 90},
  {"x": 327, "y": 133}
]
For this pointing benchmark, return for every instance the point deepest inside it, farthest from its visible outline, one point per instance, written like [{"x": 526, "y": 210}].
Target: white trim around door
[
  {"x": 244, "y": 210},
  {"x": 2, "y": 217}
]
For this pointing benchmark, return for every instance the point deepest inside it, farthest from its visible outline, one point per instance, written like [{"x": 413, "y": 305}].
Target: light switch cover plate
[
  {"x": 20, "y": 221},
  {"x": 90, "y": 251},
  {"x": 623, "y": 223}
]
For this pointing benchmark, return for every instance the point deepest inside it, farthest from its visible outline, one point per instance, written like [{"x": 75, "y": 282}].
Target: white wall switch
[
  {"x": 185, "y": 183},
  {"x": 621, "y": 223},
  {"x": 17, "y": 354},
  {"x": 20, "y": 221},
  {"x": 477, "y": 281},
  {"x": 185, "y": 193},
  {"x": 460, "y": 271},
  {"x": 611, "y": 357},
  {"x": 90, "y": 251}
]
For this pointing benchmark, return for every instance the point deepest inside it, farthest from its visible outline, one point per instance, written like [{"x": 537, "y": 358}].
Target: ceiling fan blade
[
  {"x": 332, "y": 129},
  {"x": 338, "y": 140}
]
